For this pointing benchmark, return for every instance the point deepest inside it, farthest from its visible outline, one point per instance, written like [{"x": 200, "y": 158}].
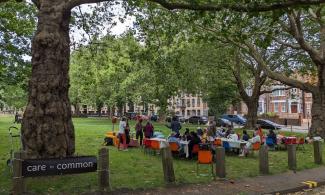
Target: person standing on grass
[
  {"x": 138, "y": 131},
  {"x": 122, "y": 134},
  {"x": 175, "y": 126},
  {"x": 127, "y": 133},
  {"x": 148, "y": 130}
]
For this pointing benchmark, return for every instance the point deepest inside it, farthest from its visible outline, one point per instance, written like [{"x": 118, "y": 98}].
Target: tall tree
[
  {"x": 303, "y": 33},
  {"x": 17, "y": 23}
]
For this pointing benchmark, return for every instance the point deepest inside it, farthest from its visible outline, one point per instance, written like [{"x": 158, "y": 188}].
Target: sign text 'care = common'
[{"x": 58, "y": 166}]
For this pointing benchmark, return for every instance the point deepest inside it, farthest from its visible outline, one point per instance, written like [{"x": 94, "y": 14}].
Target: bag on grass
[{"x": 108, "y": 141}]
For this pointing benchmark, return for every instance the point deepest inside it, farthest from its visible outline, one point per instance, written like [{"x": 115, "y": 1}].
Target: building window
[
  {"x": 198, "y": 102},
  {"x": 193, "y": 112},
  {"x": 284, "y": 107},
  {"x": 276, "y": 107},
  {"x": 278, "y": 93},
  {"x": 183, "y": 102},
  {"x": 198, "y": 112},
  {"x": 188, "y": 103},
  {"x": 193, "y": 102},
  {"x": 188, "y": 113}
]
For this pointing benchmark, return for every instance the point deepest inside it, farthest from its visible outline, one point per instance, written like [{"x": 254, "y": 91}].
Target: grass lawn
[{"x": 133, "y": 169}]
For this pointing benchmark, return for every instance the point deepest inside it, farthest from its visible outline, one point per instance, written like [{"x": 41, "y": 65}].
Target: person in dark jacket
[
  {"x": 127, "y": 133},
  {"x": 194, "y": 139},
  {"x": 138, "y": 131},
  {"x": 245, "y": 136},
  {"x": 148, "y": 130},
  {"x": 175, "y": 126},
  {"x": 186, "y": 135}
]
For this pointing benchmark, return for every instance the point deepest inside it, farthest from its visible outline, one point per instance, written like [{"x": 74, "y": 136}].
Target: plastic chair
[
  {"x": 155, "y": 145},
  {"x": 174, "y": 147},
  {"x": 146, "y": 145},
  {"x": 204, "y": 157},
  {"x": 195, "y": 148},
  {"x": 256, "y": 146},
  {"x": 217, "y": 142}
]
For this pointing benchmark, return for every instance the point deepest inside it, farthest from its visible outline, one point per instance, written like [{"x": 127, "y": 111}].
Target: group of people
[
  {"x": 207, "y": 135},
  {"x": 124, "y": 132}
]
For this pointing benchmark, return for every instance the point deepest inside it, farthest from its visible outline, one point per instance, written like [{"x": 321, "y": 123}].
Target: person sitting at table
[
  {"x": 271, "y": 139},
  {"x": 211, "y": 133},
  {"x": 194, "y": 139},
  {"x": 233, "y": 136},
  {"x": 245, "y": 135},
  {"x": 221, "y": 132},
  {"x": 199, "y": 131},
  {"x": 204, "y": 137},
  {"x": 256, "y": 138},
  {"x": 172, "y": 138},
  {"x": 186, "y": 135},
  {"x": 148, "y": 130},
  {"x": 229, "y": 130}
]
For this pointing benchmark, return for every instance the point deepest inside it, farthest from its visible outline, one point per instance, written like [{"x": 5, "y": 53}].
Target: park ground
[{"x": 133, "y": 169}]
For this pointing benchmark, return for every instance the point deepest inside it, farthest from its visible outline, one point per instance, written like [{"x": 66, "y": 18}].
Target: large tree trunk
[
  {"x": 252, "y": 107},
  {"x": 318, "y": 115},
  {"x": 318, "y": 107},
  {"x": 47, "y": 129}
]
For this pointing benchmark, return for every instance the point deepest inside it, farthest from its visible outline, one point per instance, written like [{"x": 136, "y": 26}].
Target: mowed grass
[{"x": 133, "y": 169}]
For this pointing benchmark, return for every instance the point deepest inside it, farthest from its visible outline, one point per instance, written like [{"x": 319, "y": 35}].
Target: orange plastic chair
[
  {"x": 204, "y": 157},
  {"x": 195, "y": 149},
  {"x": 155, "y": 145},
  {"x": 146, "y": 145},
  {"x": 173, "y": 147},
  {"x": 217, "y": 142},
  {"x": 256, "y": 146}
]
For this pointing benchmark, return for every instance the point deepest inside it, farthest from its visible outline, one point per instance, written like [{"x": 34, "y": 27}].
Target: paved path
[{"x": 283, "y": 183}]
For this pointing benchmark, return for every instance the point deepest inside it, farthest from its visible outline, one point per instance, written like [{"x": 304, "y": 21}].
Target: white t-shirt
[
  {"x": 255, "y": 139},
  {"x": 122, "y": 127},
  {"x": 233, "y": 137}
]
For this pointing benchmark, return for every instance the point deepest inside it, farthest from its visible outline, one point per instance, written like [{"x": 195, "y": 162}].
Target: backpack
[{"x": 108, "y": 141}]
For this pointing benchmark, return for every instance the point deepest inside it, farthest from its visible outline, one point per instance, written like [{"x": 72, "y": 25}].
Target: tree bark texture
[
  {"x": 47, "y": 129},
  {"x": 318, "y": 114},
  {"x": 252, "y": 107}
]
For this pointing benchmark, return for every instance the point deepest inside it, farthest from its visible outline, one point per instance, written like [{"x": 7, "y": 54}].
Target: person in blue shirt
[
  {"x": 173, "y": 138},
  {"x": 271, "y": 140}
]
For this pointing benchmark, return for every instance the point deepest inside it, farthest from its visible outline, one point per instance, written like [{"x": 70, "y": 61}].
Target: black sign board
[{"x": 58, "y": 166}]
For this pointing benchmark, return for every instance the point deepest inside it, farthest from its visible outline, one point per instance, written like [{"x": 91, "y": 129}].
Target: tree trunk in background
[
  {"x": 99, "y": 108},
  {"x": 113, "y": 111},
  {"x": 252, "y": 107},
  {"x": 318, "y": 107},
  {"x": 47, "y": 129},
  {"x": 318, "y": 115},
  {"x": 77, "y": 108}
]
